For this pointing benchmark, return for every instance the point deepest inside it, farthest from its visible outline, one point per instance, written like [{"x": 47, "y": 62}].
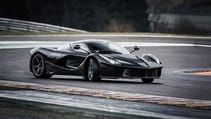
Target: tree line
[{"x": 91, "y": 15}]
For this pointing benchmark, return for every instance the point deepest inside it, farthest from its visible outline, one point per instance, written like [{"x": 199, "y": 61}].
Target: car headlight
[
  {"x": 110, "y": 60},
  {"x": 124, "y": 62},
  {"x": 114, "y": 61},
  {"x": 156, "y": 60},
  {"x": 151, "y": 58}
]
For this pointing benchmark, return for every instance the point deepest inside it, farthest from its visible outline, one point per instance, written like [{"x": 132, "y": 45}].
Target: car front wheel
[{"x": 92, "y": 73}]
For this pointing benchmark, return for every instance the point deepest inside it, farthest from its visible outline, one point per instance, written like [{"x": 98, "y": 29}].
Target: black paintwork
[{"x": 69, "y": 61}]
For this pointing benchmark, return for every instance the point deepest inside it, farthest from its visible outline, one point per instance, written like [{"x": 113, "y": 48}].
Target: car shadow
[
  {"x": 108, "y": 81},
  {"x": 128, "y": 82}
]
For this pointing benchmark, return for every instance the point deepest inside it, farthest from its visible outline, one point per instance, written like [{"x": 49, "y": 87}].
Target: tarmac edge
[{"x": 162, "y": 100}]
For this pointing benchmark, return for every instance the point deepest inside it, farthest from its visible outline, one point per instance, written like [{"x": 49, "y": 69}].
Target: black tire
[
  {"x": 147, "y": 80},
  {"x": 92, "y": 71},
  {"x": 38, "y": 66}
]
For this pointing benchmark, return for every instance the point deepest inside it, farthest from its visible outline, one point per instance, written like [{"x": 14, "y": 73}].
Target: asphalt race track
[{"x": 14, "y": 65}]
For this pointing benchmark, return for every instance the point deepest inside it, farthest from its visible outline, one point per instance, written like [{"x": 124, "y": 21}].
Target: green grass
[
  {"x": 37, "y": 33},
  {"x": 95, "y": 33},
  {"x": 72, "y": 33},
  {"x": 146, "y": 33}
]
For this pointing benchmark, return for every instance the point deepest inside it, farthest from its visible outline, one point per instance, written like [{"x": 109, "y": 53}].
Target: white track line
[
  {"x": 31, "y": 44},
  {"x": 114, "y": 35}
]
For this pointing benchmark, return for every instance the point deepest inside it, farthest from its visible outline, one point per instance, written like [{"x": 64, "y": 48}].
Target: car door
[{"x": 74, "y": 61}]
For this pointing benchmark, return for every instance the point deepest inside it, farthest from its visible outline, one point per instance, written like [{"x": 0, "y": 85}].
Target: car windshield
[{"x": 106, "y": 47}]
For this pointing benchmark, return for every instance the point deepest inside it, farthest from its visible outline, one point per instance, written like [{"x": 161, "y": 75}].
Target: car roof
[{"x": 91, "y": 41}]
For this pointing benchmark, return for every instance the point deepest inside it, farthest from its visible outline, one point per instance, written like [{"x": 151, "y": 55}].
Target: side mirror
[
  {"x": 136, "y": 48},
  {"x": 76, "y": 47}
]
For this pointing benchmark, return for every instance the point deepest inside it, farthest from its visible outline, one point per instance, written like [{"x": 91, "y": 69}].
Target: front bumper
[{"x": 107, "y": 70}]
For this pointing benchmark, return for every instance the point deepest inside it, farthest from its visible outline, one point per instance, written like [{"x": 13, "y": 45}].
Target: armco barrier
[{"x": 21, "y": 25}]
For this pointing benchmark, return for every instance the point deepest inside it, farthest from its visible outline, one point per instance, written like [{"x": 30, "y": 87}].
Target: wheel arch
[
  {"x": 39, "y": 50},
  {"x": 87, "y": 61},
  {"x": 32, "y": 55}
]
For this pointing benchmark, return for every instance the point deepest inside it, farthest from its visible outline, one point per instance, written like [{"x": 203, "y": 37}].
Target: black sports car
[{"x": 94, "y": 59}]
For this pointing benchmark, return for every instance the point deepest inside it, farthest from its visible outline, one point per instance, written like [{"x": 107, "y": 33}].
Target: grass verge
[
  {"x": 37, "y": 33},
  {"x": 2, "y": 33}
]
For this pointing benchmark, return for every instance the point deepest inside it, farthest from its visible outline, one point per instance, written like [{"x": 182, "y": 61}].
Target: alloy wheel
[
  {"x": 90, "y": 70},
  {"x": 38, "y": 65}
]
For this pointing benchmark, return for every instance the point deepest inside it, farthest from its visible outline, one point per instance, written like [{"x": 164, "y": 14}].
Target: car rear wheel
[
  {"x": 147, "y": 80},
  {"x": 92, "y": 73},
  {"x": 38, "y": 67}
]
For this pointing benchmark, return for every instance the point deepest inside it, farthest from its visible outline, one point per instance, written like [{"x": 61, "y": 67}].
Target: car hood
[
  {"x": 124, "y": 57},
  {"x": 131, "y": 60}
]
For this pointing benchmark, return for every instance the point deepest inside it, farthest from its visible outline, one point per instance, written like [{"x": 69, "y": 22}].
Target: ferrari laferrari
[{"x": 94, "y": 60}]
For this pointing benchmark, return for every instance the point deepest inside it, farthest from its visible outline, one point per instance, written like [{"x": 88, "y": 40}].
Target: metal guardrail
[{"x": 21, "y": 25}]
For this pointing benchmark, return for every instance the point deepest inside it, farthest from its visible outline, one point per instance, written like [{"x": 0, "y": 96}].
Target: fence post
[
  {"x": 28, "y": 27},
  {"x": 8, "y": 25}
]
